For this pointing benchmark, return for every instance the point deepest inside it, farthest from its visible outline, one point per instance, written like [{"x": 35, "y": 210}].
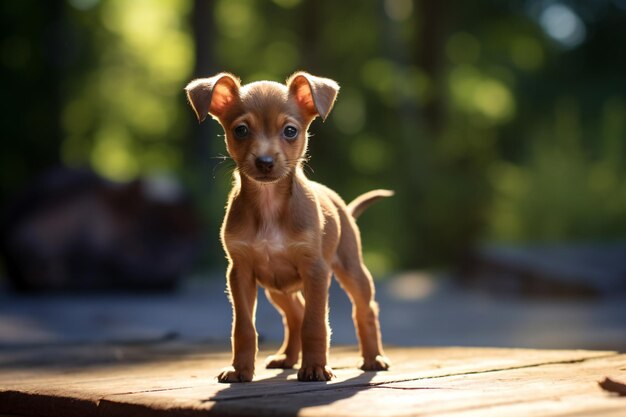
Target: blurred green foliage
[{"x": 492, "y": 120}]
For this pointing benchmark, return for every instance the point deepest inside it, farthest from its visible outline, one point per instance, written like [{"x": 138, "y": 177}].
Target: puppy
[{"x": 283, "y": 231}]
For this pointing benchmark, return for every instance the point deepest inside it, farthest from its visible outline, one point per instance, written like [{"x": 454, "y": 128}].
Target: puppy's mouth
[{"x": 266, "y": 178}]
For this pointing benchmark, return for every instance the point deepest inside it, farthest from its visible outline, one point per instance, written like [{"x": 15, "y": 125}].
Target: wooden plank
[
  {"x": 178, "y": 371},
  {"x": 550, "y": 390},
  {"x": 565, "y": 389},
  {"x": 122, "y": 380}
]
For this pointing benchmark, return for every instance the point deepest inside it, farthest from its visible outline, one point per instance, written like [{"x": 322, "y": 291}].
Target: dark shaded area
[
  {"x": 73, "y": 230},
  {"x": 564, "y": 271},
  {"x": 616, "y": 387}
]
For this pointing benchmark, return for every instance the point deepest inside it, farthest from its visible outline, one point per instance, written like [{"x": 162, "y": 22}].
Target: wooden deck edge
[
  {"x": 35, "y": 404},
  {"x": 25, "y": 403}
]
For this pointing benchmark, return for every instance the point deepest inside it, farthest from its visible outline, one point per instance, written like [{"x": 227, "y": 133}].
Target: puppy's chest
[{"x": 273, "y": 256}]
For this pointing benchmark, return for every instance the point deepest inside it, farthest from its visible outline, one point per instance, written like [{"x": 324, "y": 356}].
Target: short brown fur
[{"x": 283, "y": 231}]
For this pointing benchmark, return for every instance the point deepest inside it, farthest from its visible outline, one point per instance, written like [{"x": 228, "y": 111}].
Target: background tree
[{"x": 493, "y": 120}]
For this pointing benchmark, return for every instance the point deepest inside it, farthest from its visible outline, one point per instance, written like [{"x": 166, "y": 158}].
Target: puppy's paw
[
  {"x": 378, "y": 363},
  {"x": 230, "y": 374},
  {"x": 280, "y": 361},
  {"x": 315, "y": 373}
]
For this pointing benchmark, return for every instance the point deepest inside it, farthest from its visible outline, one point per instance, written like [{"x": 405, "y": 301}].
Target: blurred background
[{"x": 499, "y": 124}]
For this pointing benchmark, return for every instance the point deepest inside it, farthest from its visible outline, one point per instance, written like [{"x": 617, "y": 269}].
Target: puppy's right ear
[
  {"x": 314, "y": 95},
  {"x": 212, "y": 95}
]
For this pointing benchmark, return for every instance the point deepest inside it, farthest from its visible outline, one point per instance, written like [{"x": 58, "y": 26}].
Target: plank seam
[{"x": 381, "y": 384}]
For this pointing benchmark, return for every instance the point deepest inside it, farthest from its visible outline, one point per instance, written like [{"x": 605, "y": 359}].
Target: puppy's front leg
[
  {"x": 243, "y": 292},
  {"x": 315, "y": 330}
]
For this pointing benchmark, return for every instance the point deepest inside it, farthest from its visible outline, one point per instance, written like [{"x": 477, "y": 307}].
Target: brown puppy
[{"x": 283, "y": 231}]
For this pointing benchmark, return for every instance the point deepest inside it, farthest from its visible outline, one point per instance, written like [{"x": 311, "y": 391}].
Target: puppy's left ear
[
  {"x": 213, "y": 95},
  {"x": 314, "y": 95}
]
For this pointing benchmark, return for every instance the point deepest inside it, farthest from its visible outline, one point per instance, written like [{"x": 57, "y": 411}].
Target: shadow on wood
[{"x": 236, "y": 398}]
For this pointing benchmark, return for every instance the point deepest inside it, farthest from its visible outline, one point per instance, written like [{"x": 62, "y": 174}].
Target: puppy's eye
[
  {"x": 241, "y": 131},
  {"x": 290, "y": 132}
]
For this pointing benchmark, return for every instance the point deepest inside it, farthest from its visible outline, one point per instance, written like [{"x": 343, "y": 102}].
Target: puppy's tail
[{"x": 359, "y": 204}]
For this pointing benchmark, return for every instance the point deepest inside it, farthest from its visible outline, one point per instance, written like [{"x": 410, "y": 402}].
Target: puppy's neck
[{"x": 267, "y": 199}]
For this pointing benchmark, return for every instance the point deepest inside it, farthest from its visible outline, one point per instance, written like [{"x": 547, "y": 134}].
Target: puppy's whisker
[
  {"x": 221, "y": 156},
  {"x": 222, "y": 159},
  {"x": 228, "y": 171},
  {"x": 303, "y": 161},
  {"x": 307, "y": 167}
]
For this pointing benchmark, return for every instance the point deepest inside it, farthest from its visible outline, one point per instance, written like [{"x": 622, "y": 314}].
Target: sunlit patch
[
  {"x": 398, "y": 10},
  {"x": 493, "y": 99},
  {"x": 412, "y": 286},
  {"x": 563, "y": 25},
  {"x": 172, "y": 57},
  {"x": 481, "y": 94},
  {"x": 131, "y": 101},
  {"x": 112, "y": 155},
  {"x": 377, "y": 262}
]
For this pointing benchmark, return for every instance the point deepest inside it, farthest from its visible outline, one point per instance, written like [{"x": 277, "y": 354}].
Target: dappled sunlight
[
  {"x": 563, "y": 25},
  {"x": 378, "y": 262},
  {"x": 554, "y": 196},
  {"x": 121, "y": 124},
  {"x": 480, "y": 94},
  {"x": 490, "y": 120},
  {"x": 398, "y": 10},
  {"x": 499, "y": 126},
  {"x": 412, "y": 286},
  {"x": 112, "y": 155}
]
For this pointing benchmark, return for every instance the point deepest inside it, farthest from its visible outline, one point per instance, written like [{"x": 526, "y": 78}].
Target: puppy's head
[{"x": 265, "y": 122}]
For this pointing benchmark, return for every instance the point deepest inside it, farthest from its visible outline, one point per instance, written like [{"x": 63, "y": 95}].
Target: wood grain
[{"x": 179, "y": 380}]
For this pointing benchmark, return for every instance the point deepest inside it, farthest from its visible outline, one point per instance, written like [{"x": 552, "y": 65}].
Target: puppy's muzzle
[{"x": 264, "y": 164}]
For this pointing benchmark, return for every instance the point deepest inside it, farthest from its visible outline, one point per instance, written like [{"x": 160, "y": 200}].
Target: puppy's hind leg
[
  {"x": 291, "y": 307},
  {"x": 357, "y": 281}
]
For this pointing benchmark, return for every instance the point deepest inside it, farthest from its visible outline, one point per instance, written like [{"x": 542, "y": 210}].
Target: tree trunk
[{"x": 429, "y": 57}]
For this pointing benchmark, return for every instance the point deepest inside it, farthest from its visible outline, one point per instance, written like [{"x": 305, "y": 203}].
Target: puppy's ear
[
  {"x": 212, "y": 95},
  {"x": 314, "y": 95}
]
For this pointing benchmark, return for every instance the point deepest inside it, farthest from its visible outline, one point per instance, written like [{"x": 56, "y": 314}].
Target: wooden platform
[{"x": 178, "y": 380}]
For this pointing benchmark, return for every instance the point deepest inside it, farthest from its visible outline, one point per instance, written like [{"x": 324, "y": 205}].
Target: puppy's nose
[{"x": 264, "y": 164}]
